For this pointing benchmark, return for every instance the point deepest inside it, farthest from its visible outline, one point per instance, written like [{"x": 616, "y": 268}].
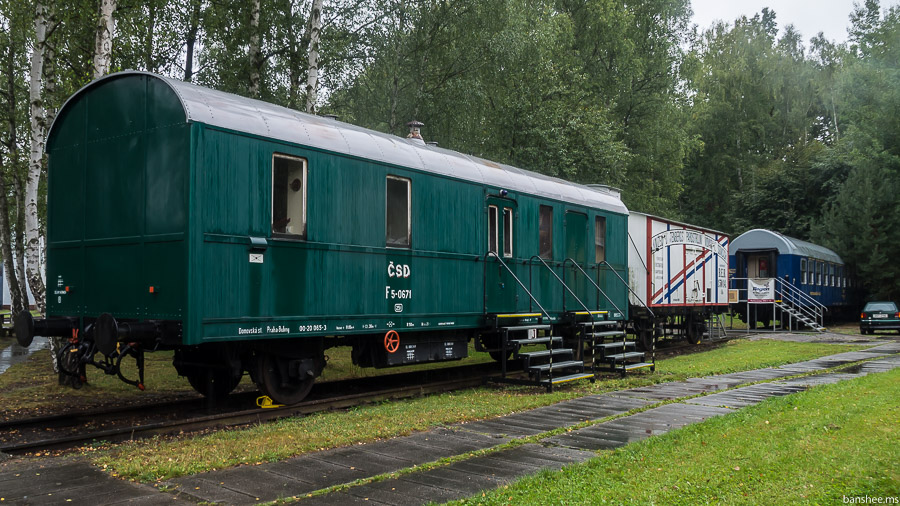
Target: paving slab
[
  {"x": 68, "y": 481},
  {"x": 337, "y": 499}
]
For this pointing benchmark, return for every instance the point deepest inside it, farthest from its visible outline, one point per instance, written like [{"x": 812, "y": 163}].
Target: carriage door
[
  {"x": 500, "y": 286},
  {"x": 761, "y": 265},
  {"x": 576, "y": 249},
  {"x": 695, "y": 285}
]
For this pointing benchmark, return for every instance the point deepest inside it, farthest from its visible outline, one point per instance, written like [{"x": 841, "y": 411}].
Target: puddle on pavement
[{"x": 15, "y": 354}]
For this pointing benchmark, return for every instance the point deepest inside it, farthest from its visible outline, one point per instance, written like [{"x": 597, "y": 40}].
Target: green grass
[
  {"x": 161, "y": 458},
  {"x": 31, "y": 387},
  {"x": 813, "y": 447}
]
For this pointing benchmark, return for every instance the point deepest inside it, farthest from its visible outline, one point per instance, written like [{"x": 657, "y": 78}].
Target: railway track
[
  {"x": 66, "y": 431},
  {"x": 71, "y": 430}
]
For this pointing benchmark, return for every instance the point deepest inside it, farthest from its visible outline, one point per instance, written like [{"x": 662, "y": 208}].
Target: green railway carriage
[{"x": 250, "y": 237}]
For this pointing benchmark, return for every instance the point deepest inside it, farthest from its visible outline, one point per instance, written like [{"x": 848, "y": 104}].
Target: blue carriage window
[
  {"x": 831, "y": 274},
  {"x": 803, "y": 270},
  {"x": 819, "y": 268}
]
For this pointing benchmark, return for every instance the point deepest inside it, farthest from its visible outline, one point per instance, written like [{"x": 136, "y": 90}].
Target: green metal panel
[
  {"x": 576, "y": 249},
  {"x": 501, "y": 288},
  {"x": 140, "y": 198},
  {"x": 117, "y": 209}
]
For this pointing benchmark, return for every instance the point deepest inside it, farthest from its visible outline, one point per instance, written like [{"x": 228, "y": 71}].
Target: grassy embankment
[
  {"x": 814, "y": 447},
  {"x": 161, "y": 458},
  {"x": 31, "y": 388}
]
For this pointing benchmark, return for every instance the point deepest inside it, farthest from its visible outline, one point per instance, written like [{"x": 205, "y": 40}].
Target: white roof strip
[{"x": 241, "y": 114}]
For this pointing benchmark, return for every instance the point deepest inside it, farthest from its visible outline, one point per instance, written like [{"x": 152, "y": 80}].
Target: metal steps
[
  {"x": 800, "y": 316},
  {"x": 570, "y": 377},
  {"x": 555, "y": 366},
  {"x": 551, "y": 366},
  {"x": 615, "y": 344},
  {"x": 535, "y": 340},
  {"x": 621, "y": 357},
  {"x": 608, "y": 333}
]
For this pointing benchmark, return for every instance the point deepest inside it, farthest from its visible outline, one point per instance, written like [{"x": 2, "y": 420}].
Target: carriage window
[
  {"x": 397, "y": 213},
  {"x": 545, "y": 228},
  {"x": 831, "y": 273},
  {"x": 507, "y": 232},
  {"x": 819, "y": 266},
  {"x": 803, "y": 270},
  {"x": 492, "y": 229},
  {"x": 288, "y": 195},
  {"x": 600, "y": 239}
]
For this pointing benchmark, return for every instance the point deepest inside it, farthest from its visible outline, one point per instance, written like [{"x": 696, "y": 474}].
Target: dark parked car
[{"x": 879, "y": 316}]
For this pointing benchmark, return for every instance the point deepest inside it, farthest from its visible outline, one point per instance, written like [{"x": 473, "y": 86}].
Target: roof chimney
[{"x": 414, "y": 131}]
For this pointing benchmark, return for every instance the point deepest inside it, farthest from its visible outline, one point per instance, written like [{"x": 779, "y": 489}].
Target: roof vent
[
  {"x": 331, "y": 116},
  {"x": 415, "y": 133},
  {"x": 609, "y": 190},
  {"x": 432, "y": 143}
]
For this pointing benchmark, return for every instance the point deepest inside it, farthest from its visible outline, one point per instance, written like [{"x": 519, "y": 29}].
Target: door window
[
  {"x": 545, "y": 232},
  {"x": 492, "y": 229},
  {"x": 599, "y": 239},
  {"x": 507, "y": 232}
]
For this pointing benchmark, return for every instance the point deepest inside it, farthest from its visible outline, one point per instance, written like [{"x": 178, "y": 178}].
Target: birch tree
[
  {"x": 106, "y": 27},
  {"x": 255, "y": 52},
  {"x": 13, "y": 66},
  {"x": 312, "y": 80},
  {"x": 35, "y": 167}
]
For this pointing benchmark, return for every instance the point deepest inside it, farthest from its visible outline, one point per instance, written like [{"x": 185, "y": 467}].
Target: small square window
[
  {"x": 397, "y": 212},
  {"x": 288, "y": 196}
]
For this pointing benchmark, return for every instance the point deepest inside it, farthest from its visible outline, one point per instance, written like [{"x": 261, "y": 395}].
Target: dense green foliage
[{"x": 738, "y": 125}]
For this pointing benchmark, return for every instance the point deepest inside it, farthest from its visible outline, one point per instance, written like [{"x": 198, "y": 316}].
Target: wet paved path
[
  {"x": 15, "y": 354},
  {"x": 67, "y": 482}
]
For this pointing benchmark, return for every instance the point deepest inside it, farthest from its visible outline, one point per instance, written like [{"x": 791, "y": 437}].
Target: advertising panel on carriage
[{"x": 761, "y": 291}]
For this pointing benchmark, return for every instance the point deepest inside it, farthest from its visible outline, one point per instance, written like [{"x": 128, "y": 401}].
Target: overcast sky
[{"x": 809, "y": 17}]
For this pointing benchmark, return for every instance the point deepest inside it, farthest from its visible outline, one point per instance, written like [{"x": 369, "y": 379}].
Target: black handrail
[
  {"x": 491, "y": 253},
  {"x": 563, "y": 283},
  {"x": 638, "y": 297},
  {"x": 600, "y": 290},
  {"x": 583, "y": 305}
]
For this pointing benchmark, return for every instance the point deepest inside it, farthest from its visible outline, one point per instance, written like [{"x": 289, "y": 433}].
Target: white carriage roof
[
  {"x": 241, "y": 114},
  {"x": 761, "y": 239},
  {"x": 680, "y": 223}
]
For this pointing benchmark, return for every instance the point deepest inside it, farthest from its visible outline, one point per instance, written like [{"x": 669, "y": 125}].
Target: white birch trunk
[
  {"x": 35, "y": 166},
  {"x": 106, "y": 27},
  {"x": 255, "y": 50},
  {"x": 312, "y": 79}
]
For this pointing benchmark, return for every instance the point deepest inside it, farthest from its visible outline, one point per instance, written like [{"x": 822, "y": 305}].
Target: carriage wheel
[
  {"x": 213, "y": 383},
  {"x": 275, "y": 379},
  {"x": 645, "y": 337}
]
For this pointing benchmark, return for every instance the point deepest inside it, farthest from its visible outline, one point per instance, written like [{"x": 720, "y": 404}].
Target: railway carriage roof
[
  {"x": 241, "y": 114},
  {"x": 760, "y": 239}
]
